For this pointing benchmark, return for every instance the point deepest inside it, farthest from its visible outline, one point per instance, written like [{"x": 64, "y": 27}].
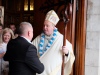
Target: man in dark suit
[{"x": 22, "y": 55}]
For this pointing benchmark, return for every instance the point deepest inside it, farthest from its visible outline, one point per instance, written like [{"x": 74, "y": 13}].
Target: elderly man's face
[
  {"x": 0, "y": 29},
  {"x": 48, "y": 28},
  {"x": 31, "y": 33}
]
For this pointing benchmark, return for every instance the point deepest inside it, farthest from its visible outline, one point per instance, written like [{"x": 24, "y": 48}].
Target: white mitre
[{"x": 52, "y": 17}]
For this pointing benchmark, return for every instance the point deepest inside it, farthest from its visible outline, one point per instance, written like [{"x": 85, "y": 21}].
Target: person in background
[
  {"x": 13, "y": 27},
  {"x": 50, "y": 47},
  {"x": 7, "y": 34},
  {"x": 1, "y": 28},
  {"x": 22, "y": 55}
]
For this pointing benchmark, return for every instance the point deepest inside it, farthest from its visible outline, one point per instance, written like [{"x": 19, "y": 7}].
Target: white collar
[{"x": 26, "y": 39}]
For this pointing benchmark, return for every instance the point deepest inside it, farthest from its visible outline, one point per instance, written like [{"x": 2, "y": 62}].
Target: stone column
[
  {"x": 99, "y": 55},
  {"x": 92, "y": 59}
]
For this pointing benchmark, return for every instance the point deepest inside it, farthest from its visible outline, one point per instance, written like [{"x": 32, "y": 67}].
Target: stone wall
[{"x": 92, "y": 60}]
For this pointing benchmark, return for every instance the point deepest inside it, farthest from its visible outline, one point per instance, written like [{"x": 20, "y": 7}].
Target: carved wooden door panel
[{"x": 76, "y": 29}]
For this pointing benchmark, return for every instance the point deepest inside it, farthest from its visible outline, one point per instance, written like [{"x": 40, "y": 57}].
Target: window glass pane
[
  {"x": 31, "y": 4},
  {"x": 26, "y": 5}
]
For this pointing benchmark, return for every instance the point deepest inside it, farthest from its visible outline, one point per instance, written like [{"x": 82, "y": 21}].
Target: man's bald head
[{"x": 26, "y": 30}]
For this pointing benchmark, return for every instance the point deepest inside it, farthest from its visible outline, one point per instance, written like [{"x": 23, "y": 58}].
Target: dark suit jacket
[{"x": 22, "y": 57}]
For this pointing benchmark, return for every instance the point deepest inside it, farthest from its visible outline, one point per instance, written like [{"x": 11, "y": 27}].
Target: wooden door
[{"x": 76, "y": 30}]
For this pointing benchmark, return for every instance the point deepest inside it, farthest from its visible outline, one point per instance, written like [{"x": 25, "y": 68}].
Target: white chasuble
[{"x": 52, "y": 58}]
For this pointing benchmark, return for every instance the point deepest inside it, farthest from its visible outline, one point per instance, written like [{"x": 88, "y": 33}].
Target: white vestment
[{"x": 52, "y": 58}]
